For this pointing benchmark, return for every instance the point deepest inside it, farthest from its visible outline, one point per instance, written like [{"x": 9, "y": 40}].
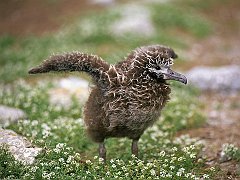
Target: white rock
[
  {"x": 10, "y": 115},
  {"x": 73, "y": 83},
  {"x": 19, "y": 147},
  {"x": 224, "y": 79},
  {"x": 102, "y": 2},
  {"x": 155, "y": 1},
  {"x": 66, "y": 88},
  {"x": 135, "y": 19}
]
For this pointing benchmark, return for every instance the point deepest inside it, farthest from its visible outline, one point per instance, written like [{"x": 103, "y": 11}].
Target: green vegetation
[
  {"x": 183, "y": 111},
  {"x": 9, "y": 167},
  {"x": 69, "y": 153},
  {"x": 168, "y": 17},
  {"x": 230, "y": 151},
  {"x": 92, "y": 34}
]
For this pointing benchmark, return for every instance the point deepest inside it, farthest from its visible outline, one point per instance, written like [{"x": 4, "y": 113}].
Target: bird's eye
[{"x": 158, "y": 68}]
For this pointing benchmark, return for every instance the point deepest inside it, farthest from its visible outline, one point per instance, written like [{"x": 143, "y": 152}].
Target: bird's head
[{"x": 157, "y": 61}]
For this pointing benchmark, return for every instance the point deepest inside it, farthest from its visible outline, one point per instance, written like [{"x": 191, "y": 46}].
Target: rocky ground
[{"x": 221, "y": 52}]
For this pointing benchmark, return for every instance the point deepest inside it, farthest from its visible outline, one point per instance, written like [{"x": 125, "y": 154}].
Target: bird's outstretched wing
[{"x": 76, "y": 61}]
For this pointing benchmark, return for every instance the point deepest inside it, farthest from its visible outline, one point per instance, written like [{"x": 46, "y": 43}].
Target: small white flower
[
  {"x": 61, "y": 160},
  {"x": 88, "y": 161},
  {"x": 188, "y": 175},
  {"x": 27, "y": 175},
  {"x": 153, "y": 172},
  {"x": 164, "y": 165},
  {"x": 205, "y": 176},
  {"x": 181, "y": 170},
  {"x": 56, "y": 150},
  {"x": 193, "y": 176},
  {"x": 133, "y": 156},
  {"x": 149, "y": 165},
  {"x": 60, "y": 145},
  {"x": 173, "y": 159},
  {"x": 95, "y": 157},
  {"x": 192, "y": 147},
  {"x": 169, "y": 175},
  {"x": 185, "y": 149},
  {"x": 34, "y": 168},
  {"x": 162, "y": 174},
  {"x": 26, "y": 122},
  {"x": 162, "y": 153},
  {"x": 114, "y": 165},
  {"x": 212, "y": 169},
  {"x": 180, "y": 158},
  {"x": 124, "y": 168},
  {"x": 101, "y": 160},
  {"x": 179, "y": 173},
  {"x": 200, "y": 160},
  {"x": 192, "y": 155},
  {"x": 174, "y": 149},
  {"x": 70, "y": 159},
  {"x": 34, "y": 122}
]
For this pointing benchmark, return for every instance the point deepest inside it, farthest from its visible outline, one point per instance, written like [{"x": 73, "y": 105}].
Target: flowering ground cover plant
[{"x": 68, "y": 153}]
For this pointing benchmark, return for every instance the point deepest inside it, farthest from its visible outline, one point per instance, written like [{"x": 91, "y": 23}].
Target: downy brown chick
[{"x": 127, "y": 97}]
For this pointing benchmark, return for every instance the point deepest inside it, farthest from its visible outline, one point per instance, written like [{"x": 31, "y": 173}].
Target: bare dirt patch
[
  {"x": 222, "y": 110},
  {"x": 223, "y": 46},
  {"x": 24, "y": 17},
  {"x": 222, "y": 127}
]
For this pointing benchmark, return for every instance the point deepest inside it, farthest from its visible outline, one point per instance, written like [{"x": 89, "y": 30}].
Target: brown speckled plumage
[{"x": 127, "y": 97}]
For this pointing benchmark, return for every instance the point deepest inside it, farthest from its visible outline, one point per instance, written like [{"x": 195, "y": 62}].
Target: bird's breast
[{"x": 135, "y": 106}]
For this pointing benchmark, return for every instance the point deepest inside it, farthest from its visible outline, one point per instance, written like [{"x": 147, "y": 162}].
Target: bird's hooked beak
[{"x": 169, "y": 74}]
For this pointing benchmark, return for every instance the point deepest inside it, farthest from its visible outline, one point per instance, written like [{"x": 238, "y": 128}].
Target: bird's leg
[
  {"x": 135, "y": 147},
  {"x": 102, "y": 151}
]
